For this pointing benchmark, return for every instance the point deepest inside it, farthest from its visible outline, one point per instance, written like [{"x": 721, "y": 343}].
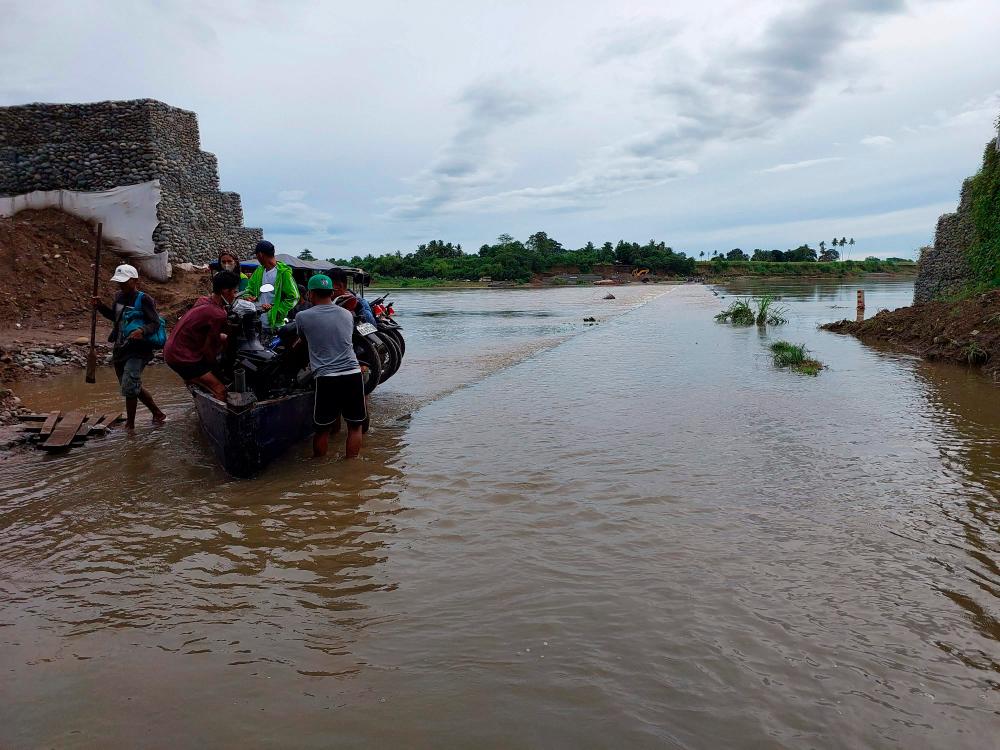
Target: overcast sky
[{"x": 357, "y": 127}]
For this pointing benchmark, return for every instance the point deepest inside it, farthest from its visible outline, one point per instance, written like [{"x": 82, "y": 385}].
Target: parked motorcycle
[
  {"x": 251, "y": 367},
  {"x": 390, "y": 331}
]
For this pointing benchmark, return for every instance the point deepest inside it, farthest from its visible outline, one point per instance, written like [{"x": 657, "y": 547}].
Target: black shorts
[
  {"x": 190, "y": 371},
  {"x": 339, "y": 395}
]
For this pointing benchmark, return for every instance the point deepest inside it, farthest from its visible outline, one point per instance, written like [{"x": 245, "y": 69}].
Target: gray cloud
[
  {"x": 877, "y": 141},
  {"x": 805, "y": 164},
  {"x": 301, "y": 98},
  {"x": 748, "y": 91},
  {"x": 292, "y": 215},
  {"x": 972, "y": 111},
  {"x": 467, "y": 162},
  {"x": 862, "y": 89},
  {"x": 744, "y": 93},
  {"x": 609, "y": 174},
  {"x": 639, "y": 37}
]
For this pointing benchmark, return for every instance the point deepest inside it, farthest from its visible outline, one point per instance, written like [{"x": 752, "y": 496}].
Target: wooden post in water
[{"x": 861, "y": 305}]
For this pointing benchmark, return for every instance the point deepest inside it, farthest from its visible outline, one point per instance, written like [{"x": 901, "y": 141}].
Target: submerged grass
[
  {"x": 738, "y": 313},
  {"x": 769, "y": 313},
  {"x": 974, "y": 354},
  {"x": 796, "y": 357},
  {"x": 742, "y": 312}
]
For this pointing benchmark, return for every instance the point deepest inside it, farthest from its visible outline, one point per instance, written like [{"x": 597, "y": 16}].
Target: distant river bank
[{"x": 384, "y": 284}]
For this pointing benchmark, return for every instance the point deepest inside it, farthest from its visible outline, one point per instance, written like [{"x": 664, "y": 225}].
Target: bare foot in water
[{"x": 159, "y": 418}]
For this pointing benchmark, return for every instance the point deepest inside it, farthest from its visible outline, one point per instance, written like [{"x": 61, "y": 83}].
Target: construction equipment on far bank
[{"x": 640, "y": 274}]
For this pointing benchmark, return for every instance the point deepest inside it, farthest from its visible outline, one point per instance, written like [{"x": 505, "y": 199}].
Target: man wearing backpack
[{"x": 135, "y": 324}]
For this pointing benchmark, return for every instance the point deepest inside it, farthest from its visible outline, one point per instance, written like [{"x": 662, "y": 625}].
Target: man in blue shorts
[{"x": 340, "y": 392}]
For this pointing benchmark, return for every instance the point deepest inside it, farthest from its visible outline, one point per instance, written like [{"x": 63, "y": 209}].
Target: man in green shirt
[{"x": 274, "y": 305}]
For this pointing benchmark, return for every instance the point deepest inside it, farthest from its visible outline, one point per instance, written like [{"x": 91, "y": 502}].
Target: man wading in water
[
  {"x": 132, "y": 348},
  {"x": 340, "y": 391}
]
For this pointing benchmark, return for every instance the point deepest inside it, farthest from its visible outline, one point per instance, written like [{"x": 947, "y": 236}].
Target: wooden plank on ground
[
  {"x": 65, "y": 431},
  {"x": 33, "y": 417},
  {"x": 86, "y": 426},
  {"x": 107, "y": 420},
  {"x": 50, "y": 422}
]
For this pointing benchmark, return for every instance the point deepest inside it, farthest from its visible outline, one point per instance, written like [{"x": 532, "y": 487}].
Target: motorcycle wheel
[
  {"x": 395, "y": 358},
  {"x": 368, "y": 357},
  {"x": 398, "y": 338}
]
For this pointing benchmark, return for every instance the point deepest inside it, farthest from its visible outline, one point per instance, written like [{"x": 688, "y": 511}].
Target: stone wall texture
[
  {"x": 943, "y": 269},
  {"x": 104, "y": 145}
]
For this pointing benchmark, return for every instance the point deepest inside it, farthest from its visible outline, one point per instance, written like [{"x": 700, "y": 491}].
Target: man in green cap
[{"x": 340, "y": 391}]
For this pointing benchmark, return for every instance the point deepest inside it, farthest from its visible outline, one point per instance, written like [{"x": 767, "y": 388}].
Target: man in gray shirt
[{"x": 329, "y": 331}]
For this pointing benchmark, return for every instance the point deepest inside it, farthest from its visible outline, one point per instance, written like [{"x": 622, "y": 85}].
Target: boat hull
[{"x": 246, "y": 440}]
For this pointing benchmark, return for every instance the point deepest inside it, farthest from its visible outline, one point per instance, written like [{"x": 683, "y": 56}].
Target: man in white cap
[{"x": 135, "y": 319}]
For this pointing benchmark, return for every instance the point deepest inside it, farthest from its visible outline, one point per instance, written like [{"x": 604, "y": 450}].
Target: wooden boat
[
  {"x": 246, "y": 433},
  {"x": 246, "y": 438}
]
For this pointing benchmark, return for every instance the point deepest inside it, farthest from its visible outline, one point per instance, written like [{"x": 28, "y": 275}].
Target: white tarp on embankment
[{"x": 128, "y": 214}]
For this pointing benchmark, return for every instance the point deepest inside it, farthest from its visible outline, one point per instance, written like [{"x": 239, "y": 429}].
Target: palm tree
[{"x": 822, "y": 246}]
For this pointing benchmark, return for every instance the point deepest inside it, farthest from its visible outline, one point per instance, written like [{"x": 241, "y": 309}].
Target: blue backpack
[{"x": 133, "y": 318}]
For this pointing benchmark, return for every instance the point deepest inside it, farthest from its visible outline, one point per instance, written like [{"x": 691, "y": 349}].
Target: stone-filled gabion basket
[{"x": 104, "y": 145}]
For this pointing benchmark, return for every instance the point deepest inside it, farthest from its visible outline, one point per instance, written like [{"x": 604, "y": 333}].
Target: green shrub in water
[
  {"x": 768, "y": 313},
  {"x": 738, "y": 313},
  {"x": 796, "y": 357},
  {"x": 742, "y": 312}
]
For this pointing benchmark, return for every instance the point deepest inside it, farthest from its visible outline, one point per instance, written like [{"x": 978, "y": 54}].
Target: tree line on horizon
[
  {"x": 509, "y": 259},
  {"x": 801, "y": 254}
]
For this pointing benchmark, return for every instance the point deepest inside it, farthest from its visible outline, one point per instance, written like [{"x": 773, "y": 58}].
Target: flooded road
[{"x": 632, "y": 534}]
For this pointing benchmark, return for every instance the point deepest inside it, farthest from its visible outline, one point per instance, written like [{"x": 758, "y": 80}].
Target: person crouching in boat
[
  {"x": 198, "y": 337},
  {"x": 340, "y": 391}
]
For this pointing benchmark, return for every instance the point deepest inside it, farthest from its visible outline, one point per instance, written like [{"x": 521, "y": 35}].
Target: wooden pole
[
  {"x": 92, "y": 355},
  {"x": 861, "y": 305}
]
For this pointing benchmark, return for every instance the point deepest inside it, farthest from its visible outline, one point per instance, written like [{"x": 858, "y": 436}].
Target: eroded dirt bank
[
  {"x": 45, "y": 301},
  {"x": 966, "y": 332}
]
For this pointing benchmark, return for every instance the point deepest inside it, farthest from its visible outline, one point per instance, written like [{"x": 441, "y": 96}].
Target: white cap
[{"x": 124, "y": 272}]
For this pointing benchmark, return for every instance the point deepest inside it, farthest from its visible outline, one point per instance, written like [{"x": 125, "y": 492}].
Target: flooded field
[{"x": 637, "y": 533}]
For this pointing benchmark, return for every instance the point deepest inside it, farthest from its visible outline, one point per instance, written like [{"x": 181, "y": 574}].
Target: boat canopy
[{"x": 303, "y": 269}]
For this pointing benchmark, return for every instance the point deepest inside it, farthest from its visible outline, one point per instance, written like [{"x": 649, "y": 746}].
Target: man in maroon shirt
[{"x": 197, "y": 339}]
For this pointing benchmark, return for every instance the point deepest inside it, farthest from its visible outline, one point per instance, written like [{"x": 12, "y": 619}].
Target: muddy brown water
[{"x": 632, "y": 534}]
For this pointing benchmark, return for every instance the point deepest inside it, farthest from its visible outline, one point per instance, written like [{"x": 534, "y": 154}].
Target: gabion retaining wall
[
  {"x": 104, "y": 145},
  {"x": 943, "y": 269}
]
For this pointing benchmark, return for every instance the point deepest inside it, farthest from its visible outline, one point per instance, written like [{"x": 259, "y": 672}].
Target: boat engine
[{"x": 252, "y": 367}]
